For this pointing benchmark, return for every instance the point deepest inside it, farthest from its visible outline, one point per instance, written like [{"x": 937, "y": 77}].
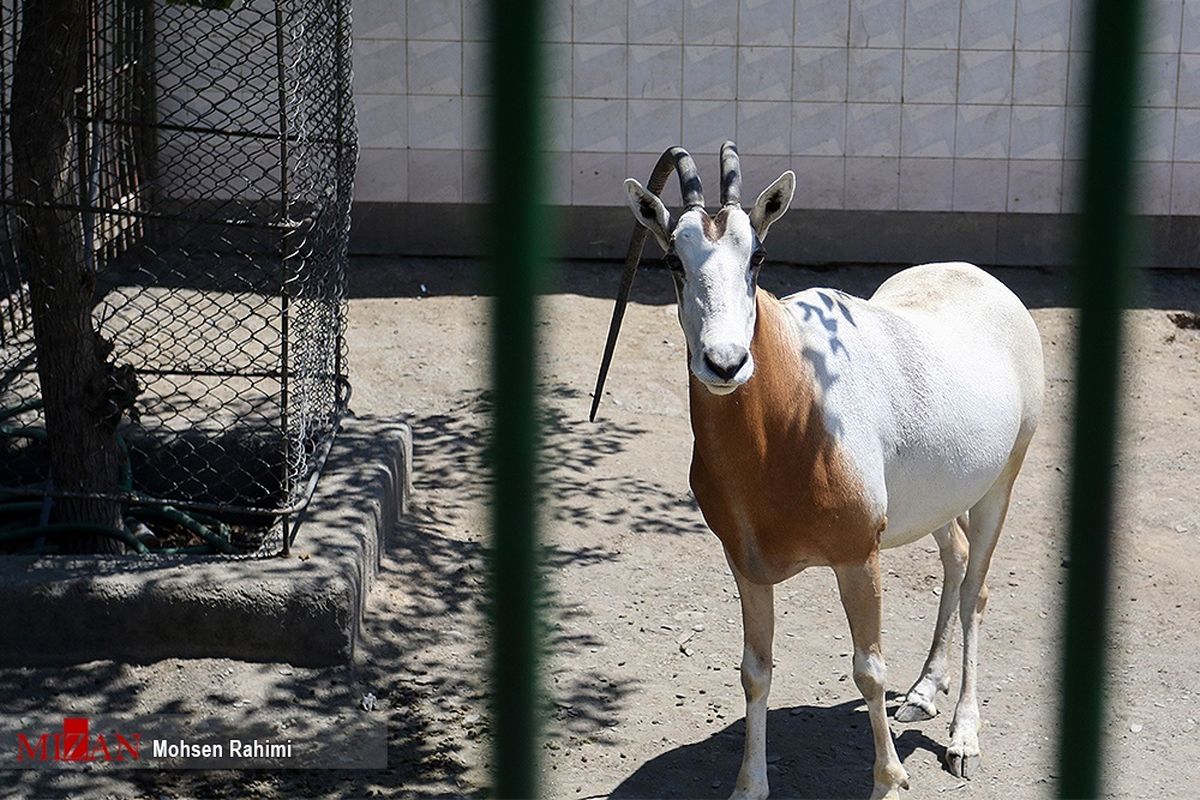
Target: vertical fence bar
[
  {"x": 285, "y": 300},
  {"x": 1103, "y": 274},
  {"x": 518, "y": 249}
]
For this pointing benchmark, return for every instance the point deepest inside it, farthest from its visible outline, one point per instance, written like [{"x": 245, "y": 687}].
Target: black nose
[{"x": 725, "y": 359}]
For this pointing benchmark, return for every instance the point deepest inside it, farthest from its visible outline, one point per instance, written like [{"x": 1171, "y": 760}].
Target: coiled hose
[{"x": 16, "y": 512}]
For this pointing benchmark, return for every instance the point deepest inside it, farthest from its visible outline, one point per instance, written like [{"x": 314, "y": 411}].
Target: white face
[
  {"x": 715, "y": 281},
  {"x": 715, "y": 262}
]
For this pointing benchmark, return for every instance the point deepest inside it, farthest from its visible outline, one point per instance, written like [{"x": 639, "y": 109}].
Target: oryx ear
[
  {"x": 772, "y": 203},
  {"x": 649, "y": 211}
]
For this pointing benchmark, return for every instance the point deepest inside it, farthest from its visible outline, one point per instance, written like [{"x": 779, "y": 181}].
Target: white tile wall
[
  {"x": 598, "y": 125},
  {"x": 1037, "y": 133},
  {"x": 1191, "y": 26},
  {"x": 600, "y": 70},
  {"x": 931, "y": 23},
  {"x": 985, "y": 77},
  {"x": 435, "y": 122},
  {"x": 927, "y": 131},
  {"x": 873, "y": 129},
  {"x": 433, "y": 19},
  {"x": 710, "y": 22},
  {"x": 707, "y": 123},
  {"x": 988, "y": 24},
  {"x": 818, "y": 129},
  {"x": 983, "y": 131},
  {"x": 873, "y": 183},
  {"x": 822, "y": 23},
  {"x": 655, "y": 71},
  {"x": 1185, "y": 189},
  {"x": 930, "y": 76},
  {"x": 1038, "y": 78},
  {"x": 1035, "y": 186},
  {"x": 1153, "y": 187},
  {"x": 435, "y": 176},
  {"x": 876, "y": 23},
  {"x": 766, "y": 22},
  {"x": 765, "y": 73},
  {"x": 821, "y": 74},
  {"x": 980, "y": 185},
  {"x": 925, "y": 183},
  {"x": 1043, "y": 24},
  {"x": 968, "y": 105},
  {"x": 764, "y": 129},
  {"x": 434, "y": 67},
  {"x": 875, "y": 75},
  {"x": 709, "y": 72},
  {"x": 820, "y": 181},
  {"x": 654, "y": 125},
  {"x": 656, "y": 21}
]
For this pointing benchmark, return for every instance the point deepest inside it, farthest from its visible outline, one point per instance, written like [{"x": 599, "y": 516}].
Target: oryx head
[{"x": 714, "y": 261}]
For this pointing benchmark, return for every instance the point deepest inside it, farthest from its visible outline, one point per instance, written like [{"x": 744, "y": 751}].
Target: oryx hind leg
[
  {"x": 986, "y": 520},
  {"x": 920, "y": 702}
]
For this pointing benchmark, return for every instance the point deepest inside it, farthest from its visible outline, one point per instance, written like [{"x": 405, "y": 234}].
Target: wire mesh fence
[{"x": 207, "y": 192}]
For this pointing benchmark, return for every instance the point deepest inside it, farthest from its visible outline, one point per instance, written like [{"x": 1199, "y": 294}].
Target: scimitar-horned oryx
[{"x": 827, "y": 427}]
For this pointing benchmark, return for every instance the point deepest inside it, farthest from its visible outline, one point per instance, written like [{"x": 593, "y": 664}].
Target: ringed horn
[{"x": 693, "y": 197}]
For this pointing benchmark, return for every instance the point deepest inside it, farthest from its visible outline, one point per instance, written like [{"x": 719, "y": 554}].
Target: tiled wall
[{"x": 943, "y": 105}]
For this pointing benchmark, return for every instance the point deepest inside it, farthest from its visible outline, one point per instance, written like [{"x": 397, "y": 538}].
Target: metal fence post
[
  {"x": 519, "y": 246},
  {"x": 1103, "y": 274}
]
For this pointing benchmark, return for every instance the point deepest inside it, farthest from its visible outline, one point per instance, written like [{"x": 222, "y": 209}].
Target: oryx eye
[
  {"x": 758, "y": 257},
  {"x": 673, "y": 261}
]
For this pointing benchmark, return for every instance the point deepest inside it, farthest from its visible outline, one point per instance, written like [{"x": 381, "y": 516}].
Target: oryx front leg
[
  {"x": 862, "y": 598},
  {"x": 758, "y": 627},
  {"x": 921, "y": 701}
]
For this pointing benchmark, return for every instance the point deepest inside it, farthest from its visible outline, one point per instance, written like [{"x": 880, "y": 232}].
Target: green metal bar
[
  {"x": 1103, "y": 277},
  {"x": 517, "y": 272}
]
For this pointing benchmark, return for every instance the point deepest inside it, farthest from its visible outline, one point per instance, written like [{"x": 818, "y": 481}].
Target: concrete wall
[{"x": 962, "y": 106}]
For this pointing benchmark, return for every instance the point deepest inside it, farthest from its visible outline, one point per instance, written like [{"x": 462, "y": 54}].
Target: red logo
[{"x": 75, "y": 743}]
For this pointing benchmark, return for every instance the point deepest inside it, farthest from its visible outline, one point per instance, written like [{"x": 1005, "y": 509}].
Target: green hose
[
  {"x": 33, "y": 531},
  {"x": 222, "y": 545},
  {"x": 29, "y": 405},
  {"x": 199, "y": 524}
]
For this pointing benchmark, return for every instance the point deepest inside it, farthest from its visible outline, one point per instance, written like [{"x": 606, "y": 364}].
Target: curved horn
[
  {"x": 731, "y": 175},
  {"x": 693, "y": 197},
  {"x": 689, "y": 179}
]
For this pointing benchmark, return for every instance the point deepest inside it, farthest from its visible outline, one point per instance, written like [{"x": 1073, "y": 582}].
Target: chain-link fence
[{"x": 209, "y": 182}]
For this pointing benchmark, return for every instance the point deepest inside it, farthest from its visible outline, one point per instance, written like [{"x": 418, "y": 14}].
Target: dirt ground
[{"x": 642, "y": 618}]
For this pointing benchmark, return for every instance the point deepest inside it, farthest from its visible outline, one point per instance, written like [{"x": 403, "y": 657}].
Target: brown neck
[
  {"x": 777, "y": 398},
  {"x": 769, "y": 479}
]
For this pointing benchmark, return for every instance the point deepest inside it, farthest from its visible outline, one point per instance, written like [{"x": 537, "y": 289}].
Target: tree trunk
[{"x": 76, "y": 380}]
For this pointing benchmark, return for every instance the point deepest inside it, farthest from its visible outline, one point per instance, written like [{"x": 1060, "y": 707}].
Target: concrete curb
[{"x": 305, "y": 609}]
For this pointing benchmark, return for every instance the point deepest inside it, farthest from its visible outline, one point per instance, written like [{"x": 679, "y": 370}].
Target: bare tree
[{"x": 84, "y": 394}]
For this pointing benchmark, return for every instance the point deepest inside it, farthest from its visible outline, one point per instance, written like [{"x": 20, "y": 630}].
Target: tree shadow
[{"x": 812, "y": 752}]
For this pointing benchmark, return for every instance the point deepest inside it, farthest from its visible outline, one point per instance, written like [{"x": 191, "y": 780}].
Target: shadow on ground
[
  {"x": 812, "y": 752},
  {"x": 1038, "y": 287}
]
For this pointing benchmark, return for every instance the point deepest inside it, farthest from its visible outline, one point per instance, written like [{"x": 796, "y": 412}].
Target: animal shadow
[{"x": 812, "y": 752}]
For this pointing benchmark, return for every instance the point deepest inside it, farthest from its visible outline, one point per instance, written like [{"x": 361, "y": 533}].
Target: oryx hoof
[
  {"x": 916, "y": 709},
  {"x": 963, "y": 764}
]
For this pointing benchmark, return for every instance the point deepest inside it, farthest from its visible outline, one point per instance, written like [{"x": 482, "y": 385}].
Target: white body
[{"x": 927, "y": 386}]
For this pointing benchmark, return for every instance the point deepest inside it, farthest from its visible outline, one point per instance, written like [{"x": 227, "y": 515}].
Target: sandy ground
[{"x": 642, "y": 617}]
